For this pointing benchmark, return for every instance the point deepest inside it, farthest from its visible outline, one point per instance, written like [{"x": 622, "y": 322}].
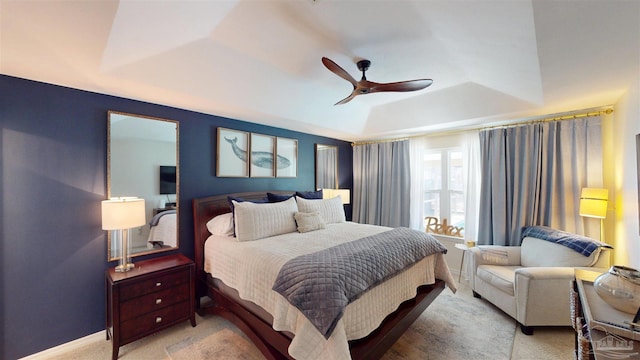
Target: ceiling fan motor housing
[{"x": 363, "y": 65}]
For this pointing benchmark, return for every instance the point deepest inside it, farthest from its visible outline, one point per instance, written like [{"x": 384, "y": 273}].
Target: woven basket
[
  {"x": 584, "y": 346},
  {"x": 574, "y": 307}
]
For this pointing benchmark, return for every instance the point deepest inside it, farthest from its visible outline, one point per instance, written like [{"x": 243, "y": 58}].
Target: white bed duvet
[
  {"x": 164, "y": 233},
  {"x": 251, "y": 267}
]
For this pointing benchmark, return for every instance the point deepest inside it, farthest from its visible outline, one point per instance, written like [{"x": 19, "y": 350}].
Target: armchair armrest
[
  {"x": 546, "y": 273},
  {"x": 542, "y": 295},
  {"x": 495, "y": 255},
  {"x": 491, "y": 255}
]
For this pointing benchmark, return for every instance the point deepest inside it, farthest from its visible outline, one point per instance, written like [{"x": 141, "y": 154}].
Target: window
[{"x": 443, "y": 184}]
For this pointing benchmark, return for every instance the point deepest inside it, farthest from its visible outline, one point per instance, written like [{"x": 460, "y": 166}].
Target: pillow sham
[
  {"x": 231, "y": 199},
  {"x": 309, "y": 221},
  {"x": 221, "y": 225},
  {"x": 277, "y": 197},
  {"x": 255, "y": 221},
  {"x": 309, "y": 194},
  {"x": 331, "y": 210}
]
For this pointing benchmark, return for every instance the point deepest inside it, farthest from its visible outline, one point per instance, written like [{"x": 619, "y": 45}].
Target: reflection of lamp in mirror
[
  {"x": 120, "y": 215},
  {"x": 344, "y": 194},
  {"x": 593, "y": 203}
]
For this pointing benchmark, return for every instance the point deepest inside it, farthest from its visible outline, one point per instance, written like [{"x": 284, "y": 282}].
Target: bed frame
[{"x": 274, "y": 344}]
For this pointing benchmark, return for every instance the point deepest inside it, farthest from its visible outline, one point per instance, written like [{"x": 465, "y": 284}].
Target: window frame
[{"x": 445, "y": 191}]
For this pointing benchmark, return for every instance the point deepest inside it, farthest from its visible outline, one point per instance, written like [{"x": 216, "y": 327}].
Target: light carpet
[
  {"x": 454, "y": 327},
  {"x": 223, "y": 345}
]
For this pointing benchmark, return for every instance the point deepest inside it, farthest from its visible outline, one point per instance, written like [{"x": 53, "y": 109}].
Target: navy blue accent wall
[{"x": 53, "y": 177}]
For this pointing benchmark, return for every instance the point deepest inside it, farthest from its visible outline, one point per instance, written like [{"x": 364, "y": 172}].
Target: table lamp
[
  {"x": 345, "y": 195},
  {"x": 120, "y": 215},
  {"x": 593, "y": 203}
]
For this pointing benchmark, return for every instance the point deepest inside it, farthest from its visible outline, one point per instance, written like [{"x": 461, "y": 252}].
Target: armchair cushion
[{"x": 500, "y": 277}]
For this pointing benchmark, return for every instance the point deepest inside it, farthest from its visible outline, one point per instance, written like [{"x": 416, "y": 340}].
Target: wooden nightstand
[{"x": 155, "y": 295}]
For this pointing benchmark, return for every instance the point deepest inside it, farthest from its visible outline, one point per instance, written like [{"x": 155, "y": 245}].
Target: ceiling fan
[{"x": 365, "y": 86}]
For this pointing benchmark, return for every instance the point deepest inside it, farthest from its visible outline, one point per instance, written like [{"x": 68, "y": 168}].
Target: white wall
[{"x": 624, "y": 224}]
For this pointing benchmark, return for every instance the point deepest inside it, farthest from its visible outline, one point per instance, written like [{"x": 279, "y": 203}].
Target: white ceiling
[{"x": 260, "y": 61}]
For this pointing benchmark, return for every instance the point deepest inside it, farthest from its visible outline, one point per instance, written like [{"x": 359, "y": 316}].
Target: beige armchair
[{"x": 530, "y": 282}]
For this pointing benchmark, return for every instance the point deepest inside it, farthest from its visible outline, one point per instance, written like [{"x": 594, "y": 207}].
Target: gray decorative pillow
[{"x": 309, "y": 221}]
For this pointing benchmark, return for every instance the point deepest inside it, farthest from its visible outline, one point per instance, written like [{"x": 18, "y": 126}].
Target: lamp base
[{"x": 124, "y": 267}]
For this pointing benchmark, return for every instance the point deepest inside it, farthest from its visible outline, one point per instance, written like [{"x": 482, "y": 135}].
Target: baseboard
[{"x": 69, "y": 346}]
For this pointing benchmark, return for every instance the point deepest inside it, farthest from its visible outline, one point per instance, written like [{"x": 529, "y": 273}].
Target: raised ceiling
[{"x": 260, "y": 61}]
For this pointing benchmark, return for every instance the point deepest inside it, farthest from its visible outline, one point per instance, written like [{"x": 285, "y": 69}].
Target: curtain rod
[
  {"x": 355, "y": 143},
  {"x": 554, "y": 117}
]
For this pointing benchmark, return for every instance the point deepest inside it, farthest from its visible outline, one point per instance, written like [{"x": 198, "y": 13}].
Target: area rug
[
  {"x": 224, "y": 344},
  {"x": 454, "y": 327}
]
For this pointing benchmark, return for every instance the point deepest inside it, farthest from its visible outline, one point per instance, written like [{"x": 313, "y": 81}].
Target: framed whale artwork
[
  {"x": 262, "y": 150},
  {"x": 287, "y": 157},
  {"x": 232, "y": 156}
]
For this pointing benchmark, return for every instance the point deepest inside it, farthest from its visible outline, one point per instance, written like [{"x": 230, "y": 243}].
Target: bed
[
  {"x": 163, "y": 230},
  {"x": 255, "y": 316}
]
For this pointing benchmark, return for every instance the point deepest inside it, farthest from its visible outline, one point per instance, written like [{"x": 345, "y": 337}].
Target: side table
[
  {"x": 601, "y": 330},
  {"x": 155, "y": 295},
  {"x": 464, "y": 249}
]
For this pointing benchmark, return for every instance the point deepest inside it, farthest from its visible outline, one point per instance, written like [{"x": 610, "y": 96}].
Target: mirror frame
[
  {"x": 317, "y": 167},
  {"x": 177, "y": 199}
]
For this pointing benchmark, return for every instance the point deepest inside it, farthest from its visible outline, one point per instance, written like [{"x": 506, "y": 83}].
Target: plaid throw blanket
[
  {"x": 579, "y": 243},
  {"x": 323, "y": 283}
]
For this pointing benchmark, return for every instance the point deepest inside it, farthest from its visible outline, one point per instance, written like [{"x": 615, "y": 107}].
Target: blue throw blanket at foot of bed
[{"x": 322, "y": 284}]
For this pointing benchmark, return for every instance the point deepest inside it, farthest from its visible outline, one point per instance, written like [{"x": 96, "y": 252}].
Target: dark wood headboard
[{"x": 205, "y": 209}]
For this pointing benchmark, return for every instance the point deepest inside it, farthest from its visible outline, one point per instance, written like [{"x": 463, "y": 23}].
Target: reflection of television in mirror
[{"x": 167, "y": 179}]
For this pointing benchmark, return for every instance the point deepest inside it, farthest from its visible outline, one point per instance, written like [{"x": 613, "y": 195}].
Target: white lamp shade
[
  {"x": 122, "y": 213},
  {"x": 593, "y": 203},
  {"x": 345, "y": 194}
]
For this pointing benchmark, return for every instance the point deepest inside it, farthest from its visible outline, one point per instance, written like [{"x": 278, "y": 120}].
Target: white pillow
[
  {"x": 221, "y": 225},
  {"x": 255, "y": 221},
  {"x": 309, "y": 221},
  {"x": 331, "y": 210}
]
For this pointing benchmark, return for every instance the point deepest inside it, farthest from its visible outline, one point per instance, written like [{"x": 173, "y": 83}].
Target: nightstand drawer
[
  {"x": 153, "y": 321},
  {"x": 154, "y": 301},
  {"x": 154, "y": 284}
]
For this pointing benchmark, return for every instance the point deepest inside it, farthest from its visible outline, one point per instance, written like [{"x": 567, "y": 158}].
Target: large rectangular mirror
[
  {"x": 142, "y": 161},
  {"x": 326, "y": 166}
]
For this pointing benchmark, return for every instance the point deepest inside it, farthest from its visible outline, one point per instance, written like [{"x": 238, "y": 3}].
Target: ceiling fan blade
[
  {"x": 411, "y": 85},
  {"x": 347, "y": 99},
  {"x": 336, "y": 69}
]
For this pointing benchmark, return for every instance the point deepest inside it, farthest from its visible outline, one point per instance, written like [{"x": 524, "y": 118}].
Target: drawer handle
[
  {"x": 158, "y": 284},
  {"x": 158, "y": 320},
  {"x": 158, "y": 301}
]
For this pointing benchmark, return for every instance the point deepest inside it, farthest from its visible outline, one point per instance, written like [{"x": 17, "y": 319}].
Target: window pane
[
  {"x": 457, "y": 209},
  {"x": 431, "y": 204},
  {"x": 432, "y": 171},
  {"x": 456, "y": 176}
]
